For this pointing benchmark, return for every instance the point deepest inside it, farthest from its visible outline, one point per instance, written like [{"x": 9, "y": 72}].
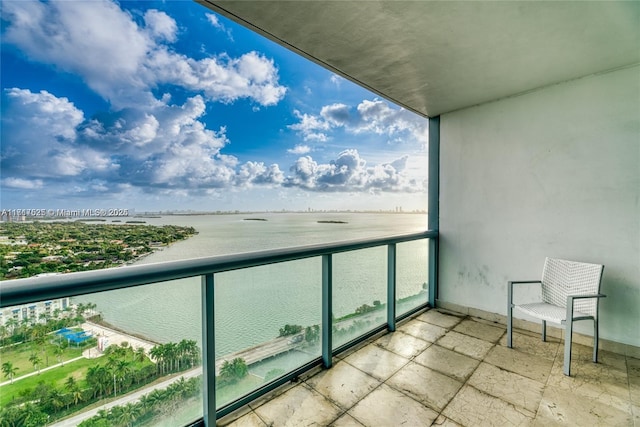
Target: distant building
[{"x": 32, "y": 311}]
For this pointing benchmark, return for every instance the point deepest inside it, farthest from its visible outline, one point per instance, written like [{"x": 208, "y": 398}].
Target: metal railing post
[
  {"x": 391, "y": 287},
  {"x": 434, "y": 206},
  {"x": 433, "y": 271},
  {"x": 327, "y": 327},
  {"x": 208, "y": 351}
]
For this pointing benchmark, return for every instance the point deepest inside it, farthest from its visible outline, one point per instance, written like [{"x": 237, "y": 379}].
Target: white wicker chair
[{"x": 570, "y": 292}]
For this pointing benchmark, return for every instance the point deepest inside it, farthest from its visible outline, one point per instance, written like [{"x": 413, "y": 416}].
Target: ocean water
[{"x": 252, "y": 304}]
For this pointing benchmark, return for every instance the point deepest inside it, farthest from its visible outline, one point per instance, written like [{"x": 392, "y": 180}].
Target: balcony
[
  {"x": 320, "y": 308},
  {"x": 417, "y": 366},
  {"x": 533, "y": 152},
  {"x": 445, "y": 368}
]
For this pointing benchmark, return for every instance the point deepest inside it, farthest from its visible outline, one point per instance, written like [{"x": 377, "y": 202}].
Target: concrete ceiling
[{"x": 435, "y": 57}]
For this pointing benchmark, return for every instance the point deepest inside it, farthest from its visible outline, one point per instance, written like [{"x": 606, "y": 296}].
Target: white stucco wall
[{"x": 555, "y": 172}]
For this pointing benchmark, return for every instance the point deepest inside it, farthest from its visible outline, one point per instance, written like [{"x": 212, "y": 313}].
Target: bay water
[{"x": 252, "y": 304}]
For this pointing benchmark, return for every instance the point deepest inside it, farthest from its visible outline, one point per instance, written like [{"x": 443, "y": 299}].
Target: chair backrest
[{"x": 561, "y": 278}]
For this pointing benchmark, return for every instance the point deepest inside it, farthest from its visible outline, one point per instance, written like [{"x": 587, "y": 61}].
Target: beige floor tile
[
  {"x": 472, "y": 407},
  {"x": 601, "y": 382},
  {"x": 388, "y": 407},
  {"x": 346, "y": 420},
  {"x": 425, "y": 385},
  {"x": 248, "y": 420},
  {"x": 465, "y": 344},
  {"x": 356, "y": 348},
  {"x": 513, "y": 388},
  {"x": 343, "y": 384},
  {"x": 633, "y": 365},
  {"x": 634, "y": 391},
  {"x": 448, "y": 362},
  {"x": 527, "y": 365},
  {"x": 272, "y": 395},
  {"x": 422, "y": 330},
  {"x": 439, "y": 319},
  {"x": 480, "y": 330},
  {"x": 633, "y": 370},
  {"x": 561, "y": 408},
  {"x": 583, "y": 353},
  {"x": 377, "y": 362},
  {"x": 534, "y": 345},
  {"x": 403, "y": 344},
  {"x": 636, "y": 415},
  {"x": 299, "y": 406},
  {"x": 443, "y": 421}
]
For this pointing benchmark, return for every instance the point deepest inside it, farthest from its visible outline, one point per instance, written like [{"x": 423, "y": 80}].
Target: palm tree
[
  {"x": 230, "y": 372},
  {"x": 55, "y": 400},
  {"x": 71, "y": 385},
  {"x": 157, "y": 352},
  {"x": 9, "y": 370},
  {"x": 32, "y": 416},
  {"x": 38, "y": 334},
  {"x": 99, "y": 379},
  {"x": 170, "y": 350},
  {"x": 12, "y": 324},
  {"x": 139, "y": 355},
  {"x": 57, "y": 351},
  {"x": 129, "y": 413},
  {"x": 35, "y": 361},
  {"x": 120, "y": 371}
]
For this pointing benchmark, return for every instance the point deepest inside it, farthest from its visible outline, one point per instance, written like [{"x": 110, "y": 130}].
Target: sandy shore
[{"x": 114, "y": 338}]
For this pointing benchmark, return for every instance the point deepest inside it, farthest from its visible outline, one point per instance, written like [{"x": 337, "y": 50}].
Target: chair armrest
[
  {"x": 585, "y": 296},
  {"x": 570, "y": 299},
  {"x": 513, "y": 282}
]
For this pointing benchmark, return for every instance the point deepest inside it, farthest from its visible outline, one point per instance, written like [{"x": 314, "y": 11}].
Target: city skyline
[{"x": 165, "y": 106}]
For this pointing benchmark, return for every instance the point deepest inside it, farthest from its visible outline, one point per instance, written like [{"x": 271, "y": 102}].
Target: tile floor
[{"x": 444, "y": 369}]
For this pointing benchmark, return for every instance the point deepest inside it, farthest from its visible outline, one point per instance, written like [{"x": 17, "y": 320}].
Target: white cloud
[
  {"x": 123, "y": 62},
  {"x": 160, "y": 25},
  {"x": 375, "y": 116},
  {"x": 310, "y": 127},
  {"x": 23, "y": 184},
  {"x": 350, "y": 173},
  {"x": 215, "y": 22},
  {"x": 227, "y": 79},
  {"x": 299, "y": 149},
  {"x": 336, "y": 79},
  {"x": 257, "y": 173},
  {"x": 39, "y": 137},
  {"x": 163, "y": 147}
]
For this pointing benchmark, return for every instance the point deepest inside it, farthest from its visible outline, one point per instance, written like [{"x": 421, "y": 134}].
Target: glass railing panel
[
  {"x": 359, "y": 293},
  {"x": 267, "y": 324},
  {"x": 412, "y": 275},
  {"x": 133, "y": 353}
]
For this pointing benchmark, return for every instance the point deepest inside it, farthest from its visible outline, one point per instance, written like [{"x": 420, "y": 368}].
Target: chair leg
[
  {"x": 595, "y": 340},
  {"x": 509, "y": 315},
  {"x": 544, "y": 330},
  {"x": 567, "y": 346}
]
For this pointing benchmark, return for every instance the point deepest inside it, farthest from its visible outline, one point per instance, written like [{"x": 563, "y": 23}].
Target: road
[
  {"x": 128, "y": 398},
  {"x": 262, "y": 351}
]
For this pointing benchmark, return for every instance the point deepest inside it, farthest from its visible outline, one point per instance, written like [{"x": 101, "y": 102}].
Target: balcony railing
[{"x": 341, "y": 322}]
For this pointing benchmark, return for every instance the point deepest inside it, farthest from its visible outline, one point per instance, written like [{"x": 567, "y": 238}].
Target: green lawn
[
  {"x": 19, "y": 354},
  {"x": 56, "y": 376}
]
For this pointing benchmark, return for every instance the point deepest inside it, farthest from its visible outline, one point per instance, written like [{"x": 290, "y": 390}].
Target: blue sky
[{"x": 168, "y": 106}]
